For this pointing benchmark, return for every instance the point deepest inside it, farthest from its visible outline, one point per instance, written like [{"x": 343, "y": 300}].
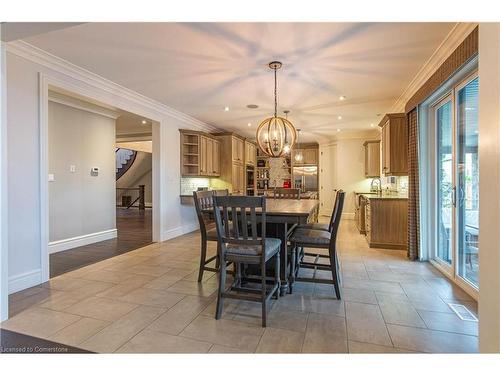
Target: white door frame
[
  {"x": 96, "y": 94},
  {"x": 4, "y": 279}
]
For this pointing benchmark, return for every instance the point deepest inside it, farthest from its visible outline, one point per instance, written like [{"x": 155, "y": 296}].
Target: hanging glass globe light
[{"x": 276, "y": 135}]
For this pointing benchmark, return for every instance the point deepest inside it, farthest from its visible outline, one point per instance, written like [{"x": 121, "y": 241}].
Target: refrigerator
[{"x": 305, "y": 178}]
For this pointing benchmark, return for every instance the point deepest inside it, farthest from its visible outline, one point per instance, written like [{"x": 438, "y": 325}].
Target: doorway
[
  {"x": 328, "y": 178},
  {"x": 456, "y": 194},
  {"x": 87, "y": 222}
]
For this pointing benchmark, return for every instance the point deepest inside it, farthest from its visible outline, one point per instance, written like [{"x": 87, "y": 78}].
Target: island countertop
[{"x": 371, "y": 196}]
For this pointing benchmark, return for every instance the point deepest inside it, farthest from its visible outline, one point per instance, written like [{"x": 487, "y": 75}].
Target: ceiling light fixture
[
  {"x": 276, "y": 135},
  {"x": 372, "y": 125},
  {"x": 342, "y": 97},
  {"x": 226, "y": 109},
  {"x": 249, "y": 124},
  {"x": 298, "y": 152},
  {"x": 252, "y": 106},
  {"x": 144, "y": 122},
  {"x": 338, "y": 130},
  {"x": 339, "y": 117}
]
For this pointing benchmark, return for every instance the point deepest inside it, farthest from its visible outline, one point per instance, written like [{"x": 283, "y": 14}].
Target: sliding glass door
[{"x": 457, "y": 183}]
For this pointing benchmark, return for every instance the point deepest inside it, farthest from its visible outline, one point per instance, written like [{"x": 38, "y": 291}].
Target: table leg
[{"x": 281, "y": 231}]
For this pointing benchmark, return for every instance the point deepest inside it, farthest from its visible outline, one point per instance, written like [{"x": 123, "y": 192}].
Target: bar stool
[
  {"x": 319, "y": 239},
  {"x": 319, "y": 226},
  {"x": 236, "y": 223},
  {"x": 203, "y": 201}
]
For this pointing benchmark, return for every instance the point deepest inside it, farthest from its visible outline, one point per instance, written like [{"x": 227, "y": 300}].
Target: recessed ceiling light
[
  {"x": 338, "y": 130},
  {"x": 339, "y": 117},
  {"x": 226, "y": 109},
  {"x": 249, "y": 124},
  {"x": 144, "y": 122},
  {"x": 372, "y": 125},
  {"x": 252, "y": 106},
  {"x": 342, "y": 97}
]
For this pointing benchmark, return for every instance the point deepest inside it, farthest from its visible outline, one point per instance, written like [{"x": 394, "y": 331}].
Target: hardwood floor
[{"x": 134, "y": 231}]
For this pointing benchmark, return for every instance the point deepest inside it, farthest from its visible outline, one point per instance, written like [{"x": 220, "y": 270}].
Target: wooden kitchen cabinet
[
  {"x": 386, "y": 222},
  {"x": 238, "y": 149},
  {"x": 200, "y": 156},
  {"x": 372, "y": 159},
  {"x": 309, "y": 154},
  {"x": 250, "y": 153},
  {"x": 394, "y": 145}
]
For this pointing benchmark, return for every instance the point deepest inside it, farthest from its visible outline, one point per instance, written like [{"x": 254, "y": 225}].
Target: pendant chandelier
[
  {"x": 276, "y": 135},
  {"x": 298, "y": 152}
]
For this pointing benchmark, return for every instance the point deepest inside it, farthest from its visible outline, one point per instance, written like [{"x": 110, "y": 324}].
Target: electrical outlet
[{"x": 72, "y": 168}]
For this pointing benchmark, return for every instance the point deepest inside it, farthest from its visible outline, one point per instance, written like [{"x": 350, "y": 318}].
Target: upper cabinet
[
  {"x": 394, "y": 144},
  {"x": 309, "y": 154},
  {"x": 238, "y": 149},
  {"x": 200, "y": 154},
  {"x": 250, "y": 153},
  {"x": 372, "y": 159}
]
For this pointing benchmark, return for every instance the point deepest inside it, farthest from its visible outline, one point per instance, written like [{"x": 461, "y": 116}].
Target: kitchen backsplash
[
  {"x": 277, "y": 172},
  {"x": 397, "y": 184}
]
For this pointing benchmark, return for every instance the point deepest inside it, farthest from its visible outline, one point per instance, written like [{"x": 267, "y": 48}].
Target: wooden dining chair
[
  {"x": 236, "y": 221},
  {"x": 319, "y": 239},
  {"x": 286, "y": 193},
  {"x": 203, "y": 202}
]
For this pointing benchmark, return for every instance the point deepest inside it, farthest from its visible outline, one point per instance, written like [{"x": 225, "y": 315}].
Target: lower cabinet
[
  {"x": 386, "y": 223},
  {"x": 238, "y": 177}
]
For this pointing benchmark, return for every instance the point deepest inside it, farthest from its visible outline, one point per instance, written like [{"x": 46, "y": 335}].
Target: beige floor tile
[
  {"x": 101, "y": 308},
  {"x": 219, "y": 349},
  {"x": 375, "y": 285},
  {"x": 194, "y": 288},
  {"x": 66, "y": 283},
  {"x": 325, "y": 334},
  {"x": 229, "y": 309},
  {"x": 316, "y": 304},
  {"x": 79, "y": 331},
  {"x": 224, "y": 332},
  {"x": 365, "y": 348},
  {"x": 18, "y": 305},
  {"x": 449, "y": 322},
  {"x": 14, "y": 297},
  {"x": 158, "y": 342},
  {"x": 428, "y": 341},
  {"x": 446, "y": 289},
  {"x": 163, "y": 283},
  {"x": 276, "y": 340},
  {"x": 39, "y": 322},
  {"x": 366, "y": 324},
  {"x": 141, "y": 269},
  {"x": 152, "y": 297},
  {"x": 207, "y": 276},
  {"x": 396, "y": 309},
  {"x": 119, "y": 332},
  {"x": 178, "y": 317},
  {"x": 359, "y": 295},
  {"x": 182, "y": 265},
  {"x": 60, "y": 301},
  {"x": 127, "y": 286},
  {"x": 107, "y": 276}
]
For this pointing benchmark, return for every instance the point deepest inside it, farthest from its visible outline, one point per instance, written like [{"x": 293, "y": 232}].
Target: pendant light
[
  {"x": 276, "y": 135},
  {"x": 298, "y": 153}
]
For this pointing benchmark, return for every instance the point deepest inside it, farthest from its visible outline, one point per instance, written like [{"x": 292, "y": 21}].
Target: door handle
[{"x": 454, "y": 196}]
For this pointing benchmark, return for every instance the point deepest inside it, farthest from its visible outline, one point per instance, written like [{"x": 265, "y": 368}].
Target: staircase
[{"x": 124, "y": 160}]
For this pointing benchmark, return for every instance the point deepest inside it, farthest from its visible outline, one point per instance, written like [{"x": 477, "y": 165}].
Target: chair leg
[
  {"x": 222, "y": 288},
  {"x": 263, "y": 294},
  {"x": 334, "y": 266},
  {"x": 291, "y": 276},
  {"x": 277, "y": 274},
  {"x": 203, "y": 257}
]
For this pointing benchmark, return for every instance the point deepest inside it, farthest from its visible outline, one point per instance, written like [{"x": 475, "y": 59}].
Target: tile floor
[{"x": 148, "y": 300}]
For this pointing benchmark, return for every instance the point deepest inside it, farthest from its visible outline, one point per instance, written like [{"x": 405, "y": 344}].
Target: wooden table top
[{"x": 291, "y": 207}]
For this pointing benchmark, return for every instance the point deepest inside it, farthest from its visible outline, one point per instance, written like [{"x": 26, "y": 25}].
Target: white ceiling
[{"x": 199, "y": 68}]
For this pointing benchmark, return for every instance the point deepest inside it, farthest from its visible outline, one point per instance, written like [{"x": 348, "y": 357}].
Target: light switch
[
  {"x": 72, "y": 168},
  {"x": 51, "y": 177}
]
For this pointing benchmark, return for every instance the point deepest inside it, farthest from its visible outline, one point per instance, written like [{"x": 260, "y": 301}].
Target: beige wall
[
  {"x": 489, "y": 167},
  {"x": 79, "y": 203}
]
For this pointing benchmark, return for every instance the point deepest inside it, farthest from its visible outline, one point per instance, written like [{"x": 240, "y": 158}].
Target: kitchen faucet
[{"x": 378, "y": 187}]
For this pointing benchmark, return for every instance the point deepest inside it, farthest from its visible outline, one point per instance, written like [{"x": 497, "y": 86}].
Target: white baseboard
[
  {"x": 86, "y": 239},
  {"x": 25, "y": 280},
  {"x": 179, "y": 231}
]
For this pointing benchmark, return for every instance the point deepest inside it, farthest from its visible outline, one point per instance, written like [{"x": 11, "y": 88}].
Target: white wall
[
  {"x": 350, "y": 167},
  {"x": 80, "y": 204},
  {"x": 25, "y": 247},
  {"x": 489, "y": 168}
]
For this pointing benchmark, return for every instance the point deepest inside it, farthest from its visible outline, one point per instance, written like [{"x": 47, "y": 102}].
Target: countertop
[{"x": 383, "y": 196}]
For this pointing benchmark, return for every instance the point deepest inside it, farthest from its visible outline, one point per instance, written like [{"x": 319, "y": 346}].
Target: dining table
[{"x": 282, "y": 216}]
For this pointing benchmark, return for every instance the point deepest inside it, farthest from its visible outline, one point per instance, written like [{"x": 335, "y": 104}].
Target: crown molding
[
  {"x": 456, "y": 36},
  {"x": 82, "y": 105},
  {"x": 44, "y": 58}
]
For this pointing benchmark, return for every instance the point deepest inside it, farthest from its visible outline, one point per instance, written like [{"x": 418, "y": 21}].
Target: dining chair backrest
[
  {"x": 203, "y": 200},
  {"x": 236, "y": 219},
  {"x": 337, "y": 213},
  {"x": 286, "y": 193},
  {"x": 221, "y": 192},
  {"x": 335, "y": 208}
]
